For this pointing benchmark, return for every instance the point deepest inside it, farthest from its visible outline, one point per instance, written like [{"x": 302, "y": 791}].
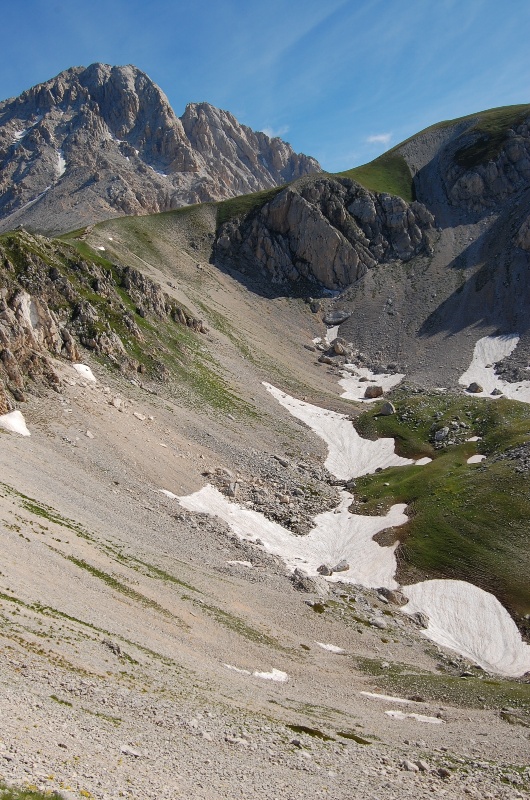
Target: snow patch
[
  {"x": 168, "y": 494},
  {"x": 241, "y": 563},
  {"x": 422, "y": 461},
  {"x": 476, "y": 459},
  {"x": 273, "y": 675},
  {"x": 332, "y": 333},
  {"x": 417, "y": 717},
  {"x": 472, "y": 622},
  {"x": 488, "y": 351},
  {"x": 85, "y": 372},
  {"x": 330, "y": 647},
  {"x": 337, "y": 535},
  {"x": 236, "y": 669},
  {"x": 354, "y": 388},
  {"x": 349, "y": 455},
  {"x": 61, "y": 164},
  {"x": 387, "y": 698},
  {"x": 15, "y": 423}
]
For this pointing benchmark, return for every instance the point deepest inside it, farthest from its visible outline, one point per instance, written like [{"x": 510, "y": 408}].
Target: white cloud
[
  {"x": 273, "y": 132},
  {"x": 379, "y": 138}
]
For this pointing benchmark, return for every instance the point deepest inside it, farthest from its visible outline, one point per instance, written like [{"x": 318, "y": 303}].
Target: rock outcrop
[
  {"x": 102, "y": 141},
  {"x": 488, "y": 184},
  {"x": 327, "y": 231},
  {"x": 53, "y": 303}
]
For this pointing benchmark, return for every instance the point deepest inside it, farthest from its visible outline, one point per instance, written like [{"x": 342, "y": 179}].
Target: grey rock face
[
  {"x": 489, "y": 184},
  {"x": 327, "y": 230},
  {"x": 106, "y": 140}
]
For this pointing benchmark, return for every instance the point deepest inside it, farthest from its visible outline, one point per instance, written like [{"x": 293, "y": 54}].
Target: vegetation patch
[
  {"x": 244, "y": 204},
  {"x": 120, "y": 587},
  {"x": 314, "y": 732},
  {"x": 237, "y": 625},
  {"x": 29, "y": 793},
  {"x": 491, "y": 133},
  {"x": 388, "y": 173},
  {"x": 469, "y": 692},
  {"x": 353, "y": 736},
  {"x": 467, "y": 521}
]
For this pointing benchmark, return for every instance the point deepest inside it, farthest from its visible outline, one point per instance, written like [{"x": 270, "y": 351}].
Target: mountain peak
[{"x": 107, "y": 137}]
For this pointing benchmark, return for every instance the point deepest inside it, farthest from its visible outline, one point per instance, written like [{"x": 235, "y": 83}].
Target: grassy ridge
[
  {"x": 468, "y": 521},
  {"x": 492, "y": 127},
  {"x": 389, "y": 173},
  {"x": 244, "y": 204}
]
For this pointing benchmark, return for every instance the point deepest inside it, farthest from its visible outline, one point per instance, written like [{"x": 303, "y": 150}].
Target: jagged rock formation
[
  {"x": 52, "y": 302},
  {"x": 328, "y": 231},
  {"x": 476, "y": 163},
  {"x": 102, "y": 141}
]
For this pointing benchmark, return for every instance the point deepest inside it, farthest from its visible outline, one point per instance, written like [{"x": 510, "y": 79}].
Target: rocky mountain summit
[{"x": 102, "y": 141}]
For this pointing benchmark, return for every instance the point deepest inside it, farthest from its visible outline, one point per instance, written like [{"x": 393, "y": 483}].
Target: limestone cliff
[
  {"x": 327, "y": 231},
  {"x": 53, "y": 303}
]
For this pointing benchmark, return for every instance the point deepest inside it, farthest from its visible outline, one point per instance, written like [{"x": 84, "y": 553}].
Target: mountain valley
[{"x": 215, "y": 363}]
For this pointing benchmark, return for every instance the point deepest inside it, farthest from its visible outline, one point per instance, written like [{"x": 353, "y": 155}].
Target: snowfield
[
  {"x": 488, "y": 351},
  {"x": 461, "y": 616}
]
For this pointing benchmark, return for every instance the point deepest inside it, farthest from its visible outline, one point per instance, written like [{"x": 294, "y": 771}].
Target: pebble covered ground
[{"x": 121, "y": 614}]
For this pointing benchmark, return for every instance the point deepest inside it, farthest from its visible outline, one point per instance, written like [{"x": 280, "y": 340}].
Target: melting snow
[
  {"x": 461, "y": 616},
  {"x": 488, "y": 351},
  {"x": 14, "y": 422},
  {"x": 85, "y": 371},
  {"x": 349, "y": 454},
  {"x": 337, "y": 535},
  {"x": 61, "y": 164},
  {"x": 19, "y": 135},
  {"x": 386, "y": 697},
  {"x": 273, "y": 675},
  {"x": 354, "y": 388},
  {"x": 476, "y": 459},
  {"x": 472, "y": 622},
  {"x": 417, "y": 717},
  {"x": 422, "y": 461},
  {"x": 331, "y": 647},
  {"x": 168, "y": 494}
]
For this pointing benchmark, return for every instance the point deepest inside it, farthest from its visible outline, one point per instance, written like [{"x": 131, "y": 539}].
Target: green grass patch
[
  {"x": 313, "y": 732},
  {"x": 470, "y": 692},
  {"x": 388, "y": 173},
  {"x": 467, "y": 521},
  {"x": 113, "y": 583},
  {"x": 61, "y": 702},
  {"x": 237, "y": 625},
  {"x": 244, "y": 204},
  {"x": 29, "y": 793},
  {"x": 492, "y": 129}
]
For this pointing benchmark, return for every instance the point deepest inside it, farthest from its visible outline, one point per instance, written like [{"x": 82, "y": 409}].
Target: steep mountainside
[
  {"x": 100, "y": 141},
  {"x": 226, "y": 572},
  {"x": 415, "y": 274}
]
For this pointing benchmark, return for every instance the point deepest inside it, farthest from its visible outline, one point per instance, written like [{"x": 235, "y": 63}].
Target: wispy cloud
[
  {"x": 379, "y": 138},
  {"x": 273, "y": 132}
]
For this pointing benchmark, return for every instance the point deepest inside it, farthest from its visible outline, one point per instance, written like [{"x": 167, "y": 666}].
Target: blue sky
[{"x": 342, "y": 80}]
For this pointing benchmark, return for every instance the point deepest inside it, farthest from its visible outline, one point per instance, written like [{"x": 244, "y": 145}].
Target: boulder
[
  {"x": 306, "y": 583},
  {"x": 372, "y": 392},
  {"x": 387, "y": 409},
  {"x": 475, "y": 388}
]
